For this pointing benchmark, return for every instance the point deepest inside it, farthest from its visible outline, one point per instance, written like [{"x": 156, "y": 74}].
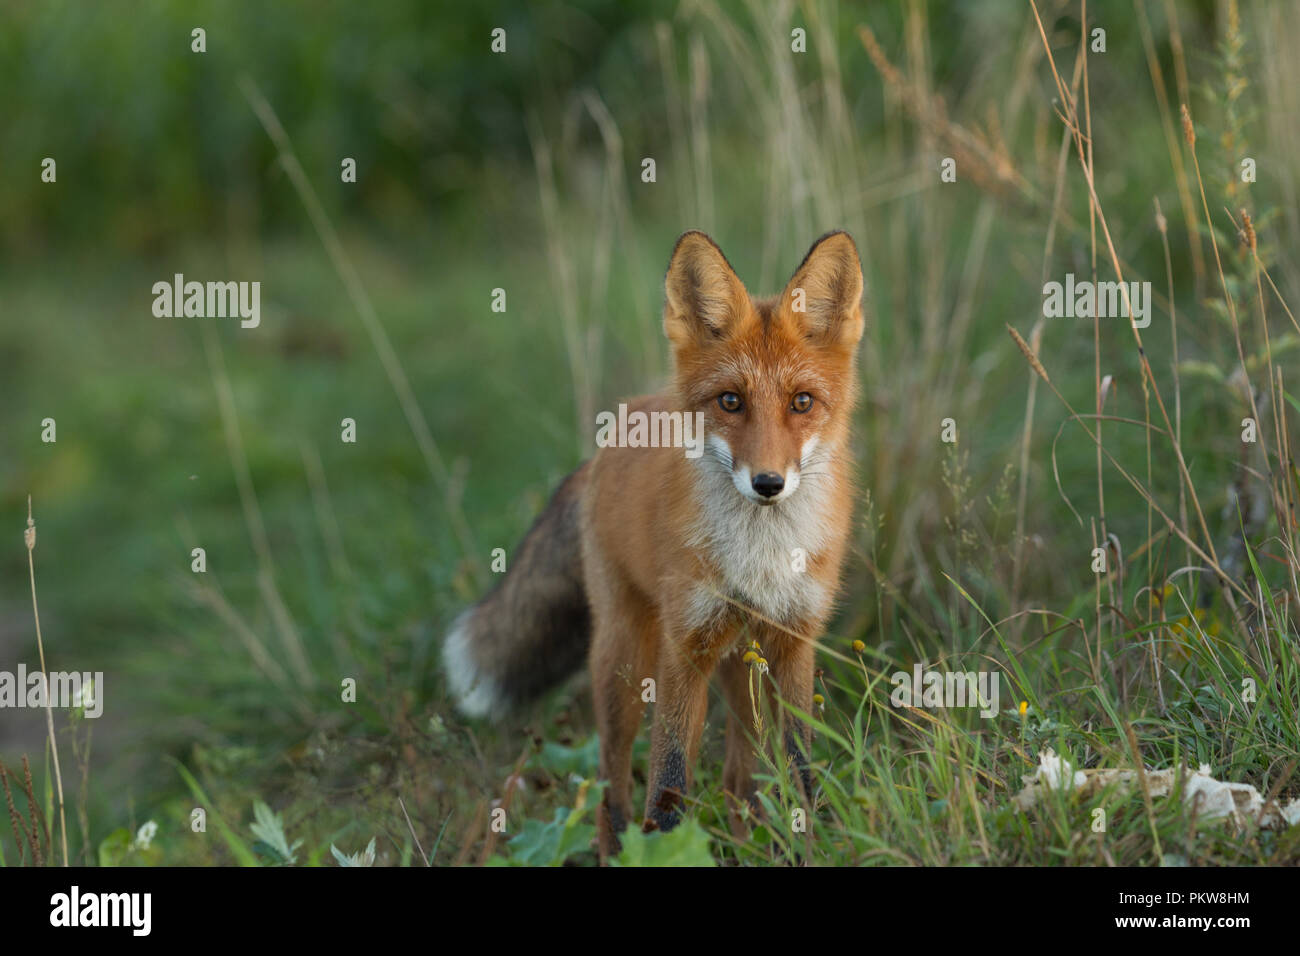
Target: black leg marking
[{"x": 665, "y": 813}]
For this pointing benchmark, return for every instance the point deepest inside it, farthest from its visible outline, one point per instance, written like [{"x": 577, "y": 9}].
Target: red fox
[{"x": 651, "y": 564}]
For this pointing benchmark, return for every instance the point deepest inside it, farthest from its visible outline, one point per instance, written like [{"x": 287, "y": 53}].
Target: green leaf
[
  {"x": 687, "y": 844},
  {"x": 550, "y": 844},
  {"x": 272, "y": 843},
  {"x": 364, "y": 858},
  {"x": 561, "y": 760},
  {"x": 114, "y": 847}
]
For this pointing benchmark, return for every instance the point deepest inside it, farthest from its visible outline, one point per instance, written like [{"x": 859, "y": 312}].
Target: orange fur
[{"x": 661, "y": 566}]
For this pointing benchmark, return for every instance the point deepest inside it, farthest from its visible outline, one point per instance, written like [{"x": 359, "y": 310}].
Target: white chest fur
[{"x": 763, "y": 553}]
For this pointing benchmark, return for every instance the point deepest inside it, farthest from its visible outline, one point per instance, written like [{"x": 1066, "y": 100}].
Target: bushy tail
[{"x": 533, "y": 628}]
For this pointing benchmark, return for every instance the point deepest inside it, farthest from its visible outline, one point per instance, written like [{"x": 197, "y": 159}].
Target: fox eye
[
  {"x": 730, "y": 402},
  {"x": 801, "y": 402}
]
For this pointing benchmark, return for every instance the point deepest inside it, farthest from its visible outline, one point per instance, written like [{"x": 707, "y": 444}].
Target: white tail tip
[{"x": 477, "y": 695}]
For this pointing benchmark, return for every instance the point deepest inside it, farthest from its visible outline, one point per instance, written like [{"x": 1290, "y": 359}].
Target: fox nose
[{"x": 768, "y": 484}]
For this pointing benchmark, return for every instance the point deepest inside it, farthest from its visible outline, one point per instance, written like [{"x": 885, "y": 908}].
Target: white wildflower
[{"x": 144, "y": 836}]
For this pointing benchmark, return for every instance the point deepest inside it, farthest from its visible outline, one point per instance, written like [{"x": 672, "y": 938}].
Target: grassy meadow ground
[{"x": 328, "y": 561}]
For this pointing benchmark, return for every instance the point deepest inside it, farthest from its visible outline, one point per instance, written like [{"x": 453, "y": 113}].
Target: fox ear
[
  {"x": 824, "y": 297},
  {"x": 703, "y": 297}
]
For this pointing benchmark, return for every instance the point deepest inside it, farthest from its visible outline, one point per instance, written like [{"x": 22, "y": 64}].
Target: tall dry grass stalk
[
  {"x": 1035, "y": 342},
  {"x": 1190, "y": 214},
  {"x": 29, "y": 537},
  {"x": 206, "y": 590},
  {"x": 1279, "y": 498},
  {"x": 379, "y": 339},
  {"x": 603, "y": 227},
  {"x": 266, "y": 576}
]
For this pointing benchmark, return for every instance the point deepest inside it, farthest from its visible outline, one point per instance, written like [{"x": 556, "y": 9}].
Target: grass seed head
[{"x": 1247, "y": 230}]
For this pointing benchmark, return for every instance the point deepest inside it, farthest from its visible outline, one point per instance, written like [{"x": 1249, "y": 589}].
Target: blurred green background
[{"x": 522, "y": 171}]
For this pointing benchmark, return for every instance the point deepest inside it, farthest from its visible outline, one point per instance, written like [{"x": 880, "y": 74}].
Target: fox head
[{"x": 775, "y": 378}]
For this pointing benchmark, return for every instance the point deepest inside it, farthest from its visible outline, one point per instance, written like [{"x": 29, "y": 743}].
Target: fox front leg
[{"x": 678, "y": 722}]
